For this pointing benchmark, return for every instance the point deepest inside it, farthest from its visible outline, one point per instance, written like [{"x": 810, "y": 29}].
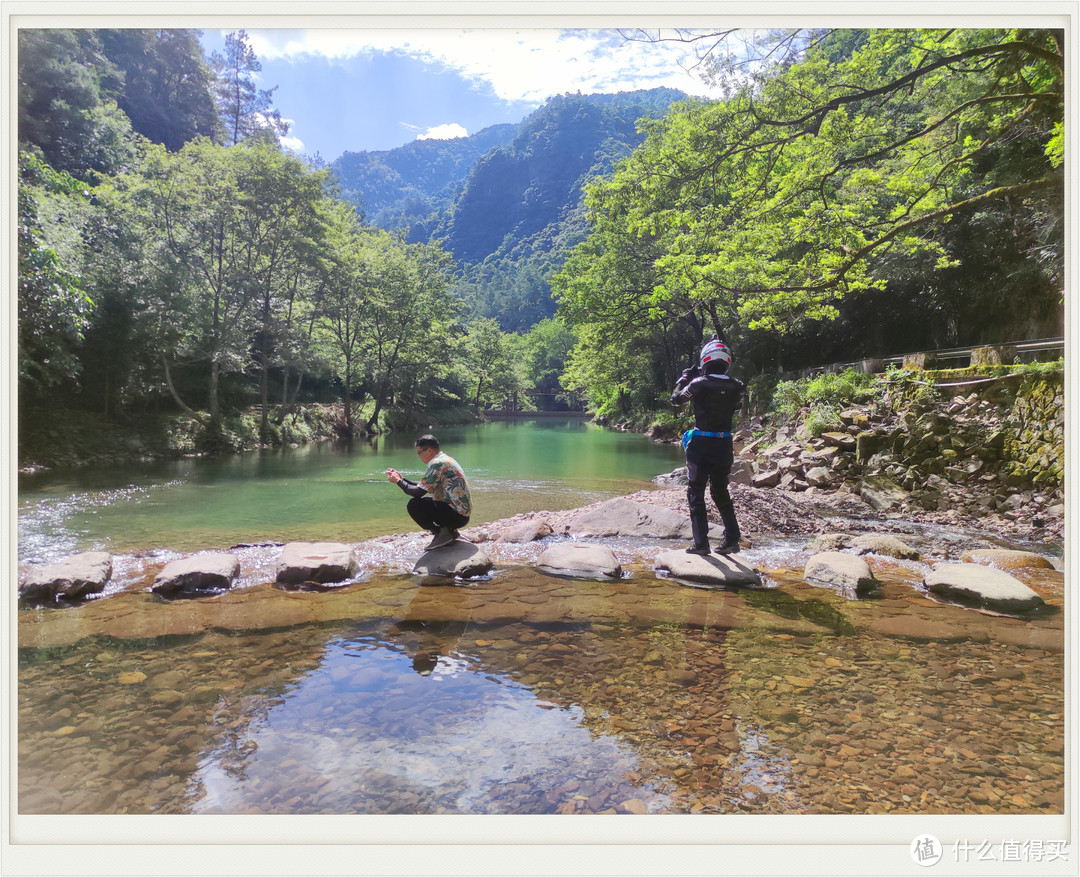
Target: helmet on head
[{"x": 715, "y": 350}]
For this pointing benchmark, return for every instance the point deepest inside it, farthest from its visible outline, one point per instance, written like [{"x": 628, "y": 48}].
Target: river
[
  {"x": 334, "y": 491},
  {"x": 520, "y": 693}
]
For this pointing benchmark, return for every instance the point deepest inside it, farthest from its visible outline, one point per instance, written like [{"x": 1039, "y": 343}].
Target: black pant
[
  {"x": 431, "y": 514},
  {"x": 708, "y": 461}
]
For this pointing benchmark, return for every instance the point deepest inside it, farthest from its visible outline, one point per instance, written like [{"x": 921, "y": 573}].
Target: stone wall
[{"x": 979, "y": 443}]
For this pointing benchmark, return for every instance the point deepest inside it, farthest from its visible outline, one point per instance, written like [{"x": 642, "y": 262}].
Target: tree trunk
[{"x": 176, "y": 396}]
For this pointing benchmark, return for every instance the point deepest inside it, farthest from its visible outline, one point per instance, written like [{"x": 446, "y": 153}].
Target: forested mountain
[
  {"x": 406, "y": 186},
  {"x": 862, "y": 193},
  {"x": 506, "y": 201}
]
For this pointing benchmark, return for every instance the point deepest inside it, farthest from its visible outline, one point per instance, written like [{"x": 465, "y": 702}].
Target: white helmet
[{"x": 714, "y": 350}]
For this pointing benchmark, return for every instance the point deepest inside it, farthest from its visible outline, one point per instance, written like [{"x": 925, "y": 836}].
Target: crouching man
[{"x": 449, "y": 505}]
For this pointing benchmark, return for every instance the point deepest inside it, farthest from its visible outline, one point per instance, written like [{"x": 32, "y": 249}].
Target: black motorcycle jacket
[{"x": 716, "y": 399}]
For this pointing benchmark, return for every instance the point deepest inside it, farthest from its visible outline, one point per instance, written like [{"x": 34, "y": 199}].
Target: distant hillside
[
  {"x": 508, "y": 200},
  {"x": 399, "y": 187},
  {"x": 534, "y": 183}
]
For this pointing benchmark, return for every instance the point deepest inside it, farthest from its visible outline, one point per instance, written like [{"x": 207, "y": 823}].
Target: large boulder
[
  {"x": 580, "y": 560},
  {"x": 981, "y": 587},
  {"x": 1004, "y": 559},
  {"x": 69, "y": 579},
  {"x": 318, "y": 562},
  {"x": 625, "y": 517},
  {"x": 711, "y": 569},
  {"x": 459, "y": 560},
  {"x": 848, "y": 573},
  {"x": 197, "y": 574}
]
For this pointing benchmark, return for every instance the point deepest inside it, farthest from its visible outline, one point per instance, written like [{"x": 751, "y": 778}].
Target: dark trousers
[
  {"x": 708, "y": 463},
  {"x": 430, "y": 514}
]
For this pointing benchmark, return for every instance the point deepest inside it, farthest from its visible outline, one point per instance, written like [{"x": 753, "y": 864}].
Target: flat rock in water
[
  {"x": 981, "y": 587},
  {"x": 197, "y": 574},
  {"x": 319, "y": 562},
  {"x": 625, "y": 517},
  {"x": 1003, "y": 559},
  {"x": 708, "y": 569},
  {"x": 459, "y": 559},
  {"x": 848, "y": 572},
  {"x": 69, "y": 579},
  {"x": 526, "y": 531},
  {"x": 580, "y": 560}
]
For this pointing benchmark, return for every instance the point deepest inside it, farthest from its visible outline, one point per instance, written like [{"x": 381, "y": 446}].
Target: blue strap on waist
[{"x": 691, "y": 433}]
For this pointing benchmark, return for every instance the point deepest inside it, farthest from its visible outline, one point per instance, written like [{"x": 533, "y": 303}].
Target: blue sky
[{"x": 376, "y": 89}]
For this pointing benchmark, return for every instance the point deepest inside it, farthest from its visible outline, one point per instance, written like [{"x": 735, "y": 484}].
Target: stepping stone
[
  {"x": 197, "y": 574},
  {"x": 848, "y": 573},
  {"x": 981, "y": 587},
  {"x": 69, "y": 579},
  {"x": 459, "y": 559},
  {"x": 710, "y": 569},
  {"x": 580, "y": 560},
  {"x": 319, "y": 562}
]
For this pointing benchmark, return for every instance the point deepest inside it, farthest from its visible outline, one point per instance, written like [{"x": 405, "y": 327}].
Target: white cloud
[
  {"x": 293, "y": 144},
  {"x": 529, "y": 65},
  {"x": 443, "y": 132}
]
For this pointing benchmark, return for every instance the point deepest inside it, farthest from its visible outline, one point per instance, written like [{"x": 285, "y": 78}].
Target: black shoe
[
  {"x": 444, "y": 537},
  {"x": 728, "y": 547},
  {"x": 699, "y": 549}
]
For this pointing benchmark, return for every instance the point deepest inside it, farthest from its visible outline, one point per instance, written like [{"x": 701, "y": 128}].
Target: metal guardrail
[{"x": 1023, "y": 349}]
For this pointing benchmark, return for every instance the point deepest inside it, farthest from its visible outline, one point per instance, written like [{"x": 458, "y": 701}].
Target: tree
[
  {"x": 65, "y": 108},
  {"x": 406, "y": 332},
  {"x": 246, "y": 110},
  {"x": 54, "y": 306},
  {"x": 823, "y": 172},
  {"x": 225, "y": 231},
  {"x": 347, "y": 293},
  {"x": 165, "y": 88},
  {"x": 491, "y": 364}
]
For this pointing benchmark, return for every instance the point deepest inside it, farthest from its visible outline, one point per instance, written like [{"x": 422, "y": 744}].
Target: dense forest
[{"x": 856, "y": 193}]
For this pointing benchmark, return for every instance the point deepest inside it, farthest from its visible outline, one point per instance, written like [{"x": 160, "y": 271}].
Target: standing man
[
  {"x": 450, "y": 504},
  {"x": 709, "y": 452}
]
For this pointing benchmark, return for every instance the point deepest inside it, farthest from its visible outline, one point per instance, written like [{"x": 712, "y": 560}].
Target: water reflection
[
  {"x": 528, "y": 694},
  {"x": 377, "y": 730}
]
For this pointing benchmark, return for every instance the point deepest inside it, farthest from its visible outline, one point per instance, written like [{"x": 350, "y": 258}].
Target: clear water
[
  {"x": 517, "y": 694},
  {"x": 327, "y": 491}
]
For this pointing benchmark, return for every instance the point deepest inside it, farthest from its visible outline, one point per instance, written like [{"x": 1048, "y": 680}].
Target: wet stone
[
  {"x": 580, "y": 560},
  {"x": 69, "y": 579},
  {"x": 1007, "y": 560},
  {"x": 712, "y": 569},
  {"x": 197, "y": 574},
  {"x": 318, "y": 562},
  {"x": 848, "y": 573},
  {"x": 971, "y": 584}
]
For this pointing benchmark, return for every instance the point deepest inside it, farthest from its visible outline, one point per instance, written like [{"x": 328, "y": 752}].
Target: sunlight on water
[
  {"x": 326, "y": 492},
  {"x": 374, "y": 730}
]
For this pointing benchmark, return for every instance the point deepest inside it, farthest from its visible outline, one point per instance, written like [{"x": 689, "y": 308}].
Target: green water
[{"x": 328, "y": 491}]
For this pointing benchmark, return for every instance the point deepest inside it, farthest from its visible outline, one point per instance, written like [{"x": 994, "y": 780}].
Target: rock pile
[{"x": 991, "y": 452}]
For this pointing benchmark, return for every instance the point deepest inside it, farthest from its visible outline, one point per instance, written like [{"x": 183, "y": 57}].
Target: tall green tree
[
  {"x": 818, "y": 177},
  {"x": 165, "y": 86},
  {"x": 246, "y": 110},
  {"x": 226, "y": 230},
  {"x": 54, "y": 305},
  {"x": 66, "y": 108}
]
